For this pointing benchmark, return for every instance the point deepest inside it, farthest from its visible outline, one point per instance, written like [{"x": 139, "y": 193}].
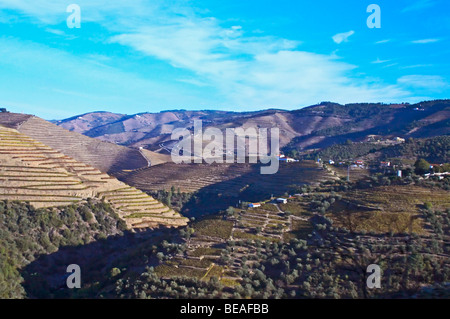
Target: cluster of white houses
[
  {"x": 381, "y": 139},
  {"x": 358, "y": 163},
  {"x": 278, "y": 200}
]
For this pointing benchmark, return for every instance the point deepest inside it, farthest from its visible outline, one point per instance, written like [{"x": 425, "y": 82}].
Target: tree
[
  {"x": 160, "y": 256},
  {"x": 169, "y": 198},
  {"x": 421, "y": 166},
  {"x": 293, "y": 153},
  {"x": 114, "y": 272}
]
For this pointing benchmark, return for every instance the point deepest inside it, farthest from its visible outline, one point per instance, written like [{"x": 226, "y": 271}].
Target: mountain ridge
[{"x": 311, "y": 127}]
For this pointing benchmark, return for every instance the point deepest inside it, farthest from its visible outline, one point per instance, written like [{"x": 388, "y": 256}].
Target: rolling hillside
[{"x": 37, "y": 173}]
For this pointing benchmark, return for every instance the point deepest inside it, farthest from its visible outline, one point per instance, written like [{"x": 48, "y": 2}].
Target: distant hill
[
  {"x": 312, "y": 127},
  {"x": 32, "y": 171}
]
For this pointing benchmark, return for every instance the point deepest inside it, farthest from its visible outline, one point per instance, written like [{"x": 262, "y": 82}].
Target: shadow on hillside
[
  {"x": 249, "y": 187},
  {"x": 46, "y": 276},
  {"x": 127, "y": 159}
]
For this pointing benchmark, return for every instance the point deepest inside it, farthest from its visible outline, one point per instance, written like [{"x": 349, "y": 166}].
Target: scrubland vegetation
[{"x": 26, "y": 233}]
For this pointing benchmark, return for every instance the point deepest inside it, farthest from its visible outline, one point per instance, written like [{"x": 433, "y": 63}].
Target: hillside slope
[
  {"x": 34, "y": 172},
  {"x": 27, "y": 234},
  {"x": 237, "y": 180},
  {"x": 434, "y": 149}
]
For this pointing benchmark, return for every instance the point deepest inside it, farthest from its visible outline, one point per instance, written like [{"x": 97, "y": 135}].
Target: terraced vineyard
[
  {"x": 355, "y": 173},
  {"x": 388, "y": 208},
  {"x": 107, "y": 157},
  {"x": 209, "y": 252},
  {"x": 34, "y": 172},
  {"x": 264, "y": 223},
  {"x": 142, "y": 210},
  {"x": 226, "y": 179}
]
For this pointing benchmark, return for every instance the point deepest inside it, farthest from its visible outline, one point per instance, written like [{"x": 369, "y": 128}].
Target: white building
[{"x": 286, "y": 159}]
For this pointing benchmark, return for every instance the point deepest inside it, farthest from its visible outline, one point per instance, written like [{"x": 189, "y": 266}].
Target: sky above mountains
[{"x": 148, "y": 56}]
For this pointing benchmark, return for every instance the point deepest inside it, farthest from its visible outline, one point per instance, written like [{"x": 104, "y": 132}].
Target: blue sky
[{"x": 148, "y": 56}]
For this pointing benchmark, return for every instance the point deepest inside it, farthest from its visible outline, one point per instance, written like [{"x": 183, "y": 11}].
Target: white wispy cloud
[
  {"x": 419, "y": 5},
  {"x": 55, "y": 31},
  {"x": 56, "y": 79},
  {"x": 378, "y": 61},
  {"x": 193, "y": 82},
  {"x": 272, "y": 73},
  {"x": 425, "y": 41},
  {"x": 249, "y": 69},
  {"x": 342, "y": 37},
  {"x": 390, "y": 65},
  {"x": 430, "y": 82},
  {"x": 383, "y": 41},
  {"x": 416, "y": 66},
  {"x": 61, "y": 33}
]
